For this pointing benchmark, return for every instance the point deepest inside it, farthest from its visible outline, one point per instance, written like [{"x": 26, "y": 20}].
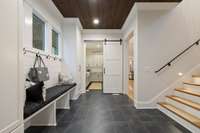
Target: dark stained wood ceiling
[{"x": 111, "y": 13}]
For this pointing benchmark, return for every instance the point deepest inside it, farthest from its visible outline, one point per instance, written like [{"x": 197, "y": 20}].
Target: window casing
[
  {"x": 55, "y": 42},
  {"x": 38, "y": 33}
]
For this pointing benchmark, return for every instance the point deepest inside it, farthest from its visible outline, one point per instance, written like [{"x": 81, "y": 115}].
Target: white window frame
[
  {"x": 46, "y": 32},
  {"x": 59, "y": 42}
]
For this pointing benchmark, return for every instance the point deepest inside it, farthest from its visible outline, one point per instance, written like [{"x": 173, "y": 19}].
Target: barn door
[{"x": 112, "y": 78}]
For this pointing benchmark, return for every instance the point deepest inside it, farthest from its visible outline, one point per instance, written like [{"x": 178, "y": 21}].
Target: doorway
[
  {"x": 131, "y": 66},
  {"x": 94, "y": 66},
  {"x": 103, "y": 65}
]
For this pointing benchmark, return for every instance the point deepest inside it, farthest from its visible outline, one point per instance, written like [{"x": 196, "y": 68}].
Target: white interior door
[{"x": 112, "y": 79}]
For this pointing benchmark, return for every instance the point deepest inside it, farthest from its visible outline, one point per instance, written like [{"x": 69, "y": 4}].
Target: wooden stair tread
[
  {"x": 188, "y": 92},
  {"x": 184, "y": 115},
  {"x": 186, "y": 102},
  {"x": 196, "y": 76},
  {"x": 191, "y": 83}
]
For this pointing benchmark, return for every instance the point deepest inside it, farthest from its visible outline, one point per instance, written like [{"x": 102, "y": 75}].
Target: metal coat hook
[
  {"x": 38, "y": 54},
  {"x": 48, "y": 56},
  {"x": 24, "y": 50},
  {"x": 197, "y": 43}
]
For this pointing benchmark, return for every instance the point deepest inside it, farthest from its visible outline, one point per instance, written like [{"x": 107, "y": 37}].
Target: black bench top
[{"x": 51, "y": 94}]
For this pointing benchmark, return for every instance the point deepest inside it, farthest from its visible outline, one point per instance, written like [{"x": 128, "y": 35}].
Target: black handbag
[
  {"x": 35, "y": 93},
  {"x": 39, "y": 73}
]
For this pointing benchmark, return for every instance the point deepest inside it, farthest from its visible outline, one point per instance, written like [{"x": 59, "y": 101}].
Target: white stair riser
[
  {"x": 184, "y": 107},
  {"x": 181, "y": 121},
  {"x": 187, "y": 96},
  {"x": 196, "y": 80},
  {"x": 192, "y": 88}
]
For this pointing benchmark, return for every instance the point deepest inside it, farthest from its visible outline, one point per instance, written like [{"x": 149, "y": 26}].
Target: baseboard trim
[{"x": 48, "y": 125}]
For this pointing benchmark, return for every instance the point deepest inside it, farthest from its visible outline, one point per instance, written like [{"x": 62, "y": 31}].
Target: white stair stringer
[
  {"x": 183, "y": 107},
  {"x": 180, "y": 120}
]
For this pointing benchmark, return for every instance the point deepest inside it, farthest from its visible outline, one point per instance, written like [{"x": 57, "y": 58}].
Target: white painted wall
[
  {"x": 11, "y": 83},
  {"x": 73, "y": 52},
  {"x": 48, "y": 12},
  {"x": 162, "y": 34}
]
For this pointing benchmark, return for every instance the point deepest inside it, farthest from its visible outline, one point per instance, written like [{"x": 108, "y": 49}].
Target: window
[
  {"x": 55, "y": 42},
  {"x": 38, "y": 33}
]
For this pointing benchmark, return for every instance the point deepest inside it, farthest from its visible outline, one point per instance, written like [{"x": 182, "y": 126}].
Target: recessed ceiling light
[
  {"x": 96, "y": 21},
  {"x": 180, "y": 74}
]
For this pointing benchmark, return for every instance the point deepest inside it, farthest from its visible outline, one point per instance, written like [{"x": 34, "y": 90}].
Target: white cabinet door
[
  {"x": 10, "y": 98},
  {"x": 112, "y": 79}
]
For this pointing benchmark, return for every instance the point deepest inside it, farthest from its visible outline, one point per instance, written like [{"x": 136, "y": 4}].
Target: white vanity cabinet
[{"x": 11, "y": 83}]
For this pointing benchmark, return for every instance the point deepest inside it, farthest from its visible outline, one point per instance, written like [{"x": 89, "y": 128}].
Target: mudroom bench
[{"x": 44, "y": 113}]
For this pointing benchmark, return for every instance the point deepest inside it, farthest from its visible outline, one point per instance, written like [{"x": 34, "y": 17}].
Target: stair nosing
[
  {"x": 189, "y": 83},
  {"x": 189, "y": 93},
  {"x": 171, "y": 97},
  {"x": 195, "y": 124}
]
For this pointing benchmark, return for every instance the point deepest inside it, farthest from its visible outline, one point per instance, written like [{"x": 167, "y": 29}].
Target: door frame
[
  {"x": 126, "y": 62},
  {"x": 84, "y": 62}
]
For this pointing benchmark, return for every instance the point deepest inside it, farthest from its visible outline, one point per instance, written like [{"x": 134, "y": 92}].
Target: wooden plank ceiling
[{"x": 111, "y": 13}]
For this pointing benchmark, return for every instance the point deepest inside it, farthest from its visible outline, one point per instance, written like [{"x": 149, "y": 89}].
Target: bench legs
[
  {"x": 47, "y": 117},
  {"x": 64, "y": 102}
]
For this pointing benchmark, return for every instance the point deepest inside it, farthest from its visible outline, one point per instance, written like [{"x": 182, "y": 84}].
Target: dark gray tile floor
[{"x": 95, "y": 112}]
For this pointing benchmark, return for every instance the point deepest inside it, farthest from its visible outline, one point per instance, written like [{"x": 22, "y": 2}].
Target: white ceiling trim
[{"x": 156, "y": 5}]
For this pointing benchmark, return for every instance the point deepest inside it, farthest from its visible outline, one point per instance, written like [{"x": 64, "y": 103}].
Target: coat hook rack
[{"x": 25, "y": 51}]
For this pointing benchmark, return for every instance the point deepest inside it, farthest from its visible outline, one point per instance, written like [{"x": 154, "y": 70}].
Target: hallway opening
[
  {"x": 130, "y": 62},
  {"x": 94, "y": 66}
]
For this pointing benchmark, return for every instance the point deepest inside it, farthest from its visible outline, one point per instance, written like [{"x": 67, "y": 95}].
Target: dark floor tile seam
[{"x": 132, "y": 131}]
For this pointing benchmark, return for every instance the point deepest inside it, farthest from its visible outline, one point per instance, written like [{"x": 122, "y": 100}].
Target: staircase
[{"x": 184, "y": 105}]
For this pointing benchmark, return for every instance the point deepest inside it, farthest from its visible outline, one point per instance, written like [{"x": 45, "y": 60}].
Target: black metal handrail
[{"x": 176, "y": 57}]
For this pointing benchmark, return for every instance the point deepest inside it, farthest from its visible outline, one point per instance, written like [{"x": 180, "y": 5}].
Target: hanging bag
[{"x": 40, "y": 73}]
